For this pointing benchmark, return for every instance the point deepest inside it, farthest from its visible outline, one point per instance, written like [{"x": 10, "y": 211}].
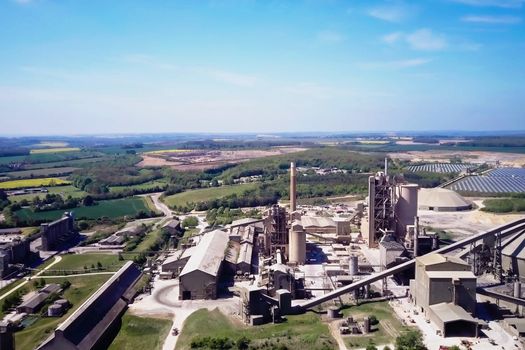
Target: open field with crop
[
  {"x": 81, "y": 288},
  {"x": 130, "y": 206},
  {"x": 64, "y": 191},
  {"x": 28, "y": 183},
  {"x": 54, "y": 150},
  {"x": 385, "y": 333},
  {"x": 141, "y": 333},
  {"x": 207, "y": 159},
  {"x": 200, "y": 195},
  {"x": 297, "y": 332},
  {"x": 50, "y": 172},
  {"x": 153, "y": 185}
]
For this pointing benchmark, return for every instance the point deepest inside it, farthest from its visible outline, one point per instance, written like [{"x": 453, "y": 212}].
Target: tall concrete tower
[{"x": 293, "y": 187}]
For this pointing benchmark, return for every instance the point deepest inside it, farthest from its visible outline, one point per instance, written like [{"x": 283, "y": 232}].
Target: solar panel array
[
  {"x": 503, "y": 180},
  {"x": 440, "y": 168},
  {"x": 509, "y": 172}
]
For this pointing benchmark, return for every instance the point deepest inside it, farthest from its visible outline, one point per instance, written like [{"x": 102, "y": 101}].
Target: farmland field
[
  {"x": 114, "y": 208},
  {"x": 44, "y": 182},
  {"x": 39, "y": 172},
  {"x": 54, "y": 150},
  {"x": 64, "y": 191},
  {"x": 201, "y": 195},
  {"x": 144, "y": 186}
]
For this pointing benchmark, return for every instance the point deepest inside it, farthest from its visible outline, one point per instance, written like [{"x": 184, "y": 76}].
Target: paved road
[
  {"x": 57, "y": 260},
  {"x": 80, "y": 275}
]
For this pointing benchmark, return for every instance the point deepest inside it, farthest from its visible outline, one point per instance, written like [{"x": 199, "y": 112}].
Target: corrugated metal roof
[
  {"x": 448, "y": 312},
  {"x": 450, "y": 274},
  {"x": 208, "y": 254},
  {"x": 317, "y": 221},
  {"x": 432, "y": 259},
  {"x": 515, "y": 246}
]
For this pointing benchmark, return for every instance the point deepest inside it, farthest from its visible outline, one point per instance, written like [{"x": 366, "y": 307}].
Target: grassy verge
[
  {"x": 204, "y": 194},
  {"x": 298, "y": 332},
  {"x": 76, "y": 262},
  {"x": 385, "y": 333},
  {"x": 141, "y": 333},
  {"x": 81, "y": 288}
]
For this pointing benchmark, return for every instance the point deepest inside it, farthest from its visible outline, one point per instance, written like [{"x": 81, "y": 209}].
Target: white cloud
[
  {"x": 398, "y": 64},
  {"x": 392, "y": 38},
  {"x": 425, "y": 40},
  {"x": 330, "y": 36},
  {"x": 492, "y": 3},
  {"x": 396, "y": 12},
  {"x": 491, "y": 19}
]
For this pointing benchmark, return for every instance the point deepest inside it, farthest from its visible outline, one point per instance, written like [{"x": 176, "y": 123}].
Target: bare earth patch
[
  {"x": 206, "y": 159},
  {"x": 507, "y": 159}
]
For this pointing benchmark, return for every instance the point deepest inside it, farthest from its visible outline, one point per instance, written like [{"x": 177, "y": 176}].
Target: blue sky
[{"x": 89, "y": 66}]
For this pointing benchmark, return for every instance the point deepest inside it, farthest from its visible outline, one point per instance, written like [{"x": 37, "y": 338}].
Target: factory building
[
  {"x": 444, "y": 289},
  {"x": 59, "y": 232},
  {"x": 174, "y": 264},
  {"x": 33, "y": 304},
  {"x": 405, "y": 207},
  {"x": 94, "y": 323},
  {"x": 200, "y": 276},
  {"x": 293, "y": 188},
  {"x": 442, "y": 199},
  {"x": 14, "y": 249},
  {"x": 275, "y": 231}
]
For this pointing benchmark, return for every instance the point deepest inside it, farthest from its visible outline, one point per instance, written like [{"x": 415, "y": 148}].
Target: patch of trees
[
  {"x": 220, "y": 343},
  {"x": 51, "y": 202},
  {"x": 239, "y": 144},
  {"x": 427, "y": 179},
  {"x": 4, "y": 200},
  {"x": 13, "y": 300},
  {"x": 504, "y": 205},
  {"x": 225, "y": 216},
  {"x": 411, "y": 340},
  {"x": 494, "y": 141},
  {"x": 190, "y": 221},
  {"x": 10, "y": 152}
]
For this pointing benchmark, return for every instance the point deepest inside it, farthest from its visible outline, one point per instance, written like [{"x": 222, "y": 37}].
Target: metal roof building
[
  {"x": 513, "y": 255},
  {"x": 199, "y": 277}
]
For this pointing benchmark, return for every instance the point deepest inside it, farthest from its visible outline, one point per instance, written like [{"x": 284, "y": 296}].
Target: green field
[
  {"x": 298, "y": 332},
  {"x": 388, "y": 329},
  {"x": 71, "y": 163},
  {"x": 39, "y": 172},
  {"x": 44, "y": 182},
  {"x": 76, "y": 262},
  {"x": 504, "y": 205},
  {"x": 64, "y": 191},
  {"x": 201, "y": 195},
  {"x": 144, "y": 186},
  {"x": 114, "y": 208},
  {"x": 54, "y": 150},
  {"x": 141, "y": 333},
  {"x": 81, "y": 288}
]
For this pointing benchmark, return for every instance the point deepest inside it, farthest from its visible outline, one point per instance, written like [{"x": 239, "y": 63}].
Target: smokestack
[
  {"x": 386, "y": 166},
  {"x": 293, "y": 184},
  {"x": 416, "y": 236}
]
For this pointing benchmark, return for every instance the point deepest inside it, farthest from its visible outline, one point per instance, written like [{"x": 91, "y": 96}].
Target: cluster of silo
[{"x": 406, "y": 207}]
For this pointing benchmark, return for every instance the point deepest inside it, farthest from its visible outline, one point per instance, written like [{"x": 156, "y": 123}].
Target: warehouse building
[
  {"x": 200, "y": 276},
  {"x": 176, "y": 262},
  {"x": 444, "y": 289},
  {"x": 33, "y": 304},
  {"x": 93, "y": 324}
]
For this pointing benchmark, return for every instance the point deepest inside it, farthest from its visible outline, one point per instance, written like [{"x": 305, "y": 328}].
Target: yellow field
[
  {"x": 54, "y": 150},
  {"x": 169, "y": 151},
  {"x": 48, "y": 182}
]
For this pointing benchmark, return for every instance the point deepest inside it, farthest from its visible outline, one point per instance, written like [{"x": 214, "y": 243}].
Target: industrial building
[
  {"x": 513, "y": 256},
  {"x": 33, "y": 304},
  {"x": 200, "y": 276},
  {"x": 14, "y": 249},
  {"x": 92, "y": 325},
  {"x": 442, "y": 199},
  {"x": 59, "y": 232},
  {"x": 444, "y": 289}
]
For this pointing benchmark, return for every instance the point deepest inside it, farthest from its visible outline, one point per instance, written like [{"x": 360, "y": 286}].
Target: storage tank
[
  {"x": 517, "y": 290},
  {"x": 297, "y": 247},
  {"x": 406, "y": 207},
  {"x": 353, "y": 265}
]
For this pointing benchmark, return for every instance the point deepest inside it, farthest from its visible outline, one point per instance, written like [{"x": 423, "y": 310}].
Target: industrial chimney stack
[{"x": 293, "y": 184}]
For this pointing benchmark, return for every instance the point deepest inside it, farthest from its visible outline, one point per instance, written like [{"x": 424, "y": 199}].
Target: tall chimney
[
  {"x": 386, "y": 166},
  {"x": 293, "y": 191}
]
